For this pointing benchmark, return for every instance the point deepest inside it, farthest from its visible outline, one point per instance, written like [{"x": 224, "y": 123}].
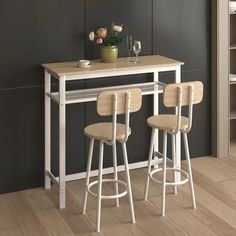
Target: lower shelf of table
[{"x": 89, "y": 95}]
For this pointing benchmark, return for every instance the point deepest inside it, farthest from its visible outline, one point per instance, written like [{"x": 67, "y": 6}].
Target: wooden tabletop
[{"x": 72, "y": 69}]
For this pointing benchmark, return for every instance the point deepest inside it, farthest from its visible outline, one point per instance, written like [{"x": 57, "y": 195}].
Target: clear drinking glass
[
  {"x": 129, "y": 46},
  {"x": 137, "y": 50}
]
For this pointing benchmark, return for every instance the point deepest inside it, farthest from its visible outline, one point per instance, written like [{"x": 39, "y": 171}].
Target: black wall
[{"x": 35, "y": 32}]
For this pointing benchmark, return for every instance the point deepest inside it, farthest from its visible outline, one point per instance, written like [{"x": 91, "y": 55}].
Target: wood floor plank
[
  {"x": 231, "y": 160},
  {"x": 206, "y": 182},
  {"x": 115, "y": 219},
  {"x": 215, "y": 169},
  {"x": 48, "y": 215},
  {"x": 183, "y": 218},
  {"x": 148, "y": 221},
  {"x": 161, "y": 224},
  {"x": 215, "y": 223},
  {"x": 81, "y": 225},
  {"x": 110, "y": 224},
  {"x": 148, "y": 214},
  {"x": 11, "y": 231},
  {"x": 34, "y": 211},
  {"x": 177, "y": 213},
  {"x": 229, "y": 185},
  {"x": 213, "y": 204},
  {"x": 25, "y": 216},
  {"x": 6, "y": 217}
]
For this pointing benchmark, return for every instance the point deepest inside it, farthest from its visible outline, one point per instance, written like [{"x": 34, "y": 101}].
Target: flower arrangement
[{"x": 103, "y": 38}]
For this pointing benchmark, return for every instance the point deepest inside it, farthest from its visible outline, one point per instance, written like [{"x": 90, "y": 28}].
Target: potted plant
[{"x": 107, "y": 42}]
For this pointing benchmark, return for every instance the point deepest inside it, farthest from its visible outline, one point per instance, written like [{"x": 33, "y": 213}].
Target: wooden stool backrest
[
  {"x": 171, "y": 93},
  {"x": 105, "y": 101}
]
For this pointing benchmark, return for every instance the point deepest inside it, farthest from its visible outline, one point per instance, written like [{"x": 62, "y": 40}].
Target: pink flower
[
  {"x": 91, "y": 36},
  {"x": 117, "y": 28},
  {"x": 102, "y": 32},
  {"x": 99, "y": 41}
]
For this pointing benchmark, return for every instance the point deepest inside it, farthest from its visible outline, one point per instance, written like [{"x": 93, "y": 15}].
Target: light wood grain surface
[
  {"x": 103, "y": 131},
  {"x": 34, "y": 212},
  {"x": 170, "y": 96},
  {"x": 71, "y": 68},
  {"x": 105, "y": 101},
  {"x": 167, "y": 122}
]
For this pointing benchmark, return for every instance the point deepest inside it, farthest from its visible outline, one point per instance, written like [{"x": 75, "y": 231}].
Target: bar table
[{"x": 69, "y": 71}]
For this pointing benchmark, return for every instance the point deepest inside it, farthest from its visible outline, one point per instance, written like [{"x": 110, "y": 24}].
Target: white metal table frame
[{"x": 63, "y": 97}]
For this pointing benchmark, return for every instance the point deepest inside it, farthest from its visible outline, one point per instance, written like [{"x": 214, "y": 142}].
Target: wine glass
[
  {"x": 137, "y": 50},
  {"x": 129, "y": 46}
]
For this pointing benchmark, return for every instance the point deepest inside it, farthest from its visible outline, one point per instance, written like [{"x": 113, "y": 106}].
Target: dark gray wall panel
[
  {"x": 135, "y": 15},
  {"x": 200, "y": 134},
  {"x": 21, "y": 138},
  {"x": 182, "y": 31},
  {"x": 35, "y": 32}
]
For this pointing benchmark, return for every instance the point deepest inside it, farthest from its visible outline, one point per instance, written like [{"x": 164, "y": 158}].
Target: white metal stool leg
[
  {"x": 128, "y": 182},
  {"x": 149, "y": 164},
  {"x": 163, "y": 200},
  {"x": 189, "y": 169},
  {"x": 174, "y": 160},
  {"x": 115, "y": 172},
  {"x": 90, "y": 155},
  {"x": 99, "y": 199}
]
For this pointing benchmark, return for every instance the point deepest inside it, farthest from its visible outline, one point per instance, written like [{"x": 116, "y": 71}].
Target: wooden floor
[{"x": 33, "y": 212}]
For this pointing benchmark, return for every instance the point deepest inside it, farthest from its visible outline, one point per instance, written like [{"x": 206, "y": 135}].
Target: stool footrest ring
[
  {"x": 108, "y": 196},
  {"x": 184, "y": 181}
]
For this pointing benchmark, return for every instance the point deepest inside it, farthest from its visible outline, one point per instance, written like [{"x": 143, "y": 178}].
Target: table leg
[
  {"x": 178, "y": 136},
  {"x": 47, "y": 133},
  {"x": 62, "y": 142},
  {"x": 156, "y": 112}
]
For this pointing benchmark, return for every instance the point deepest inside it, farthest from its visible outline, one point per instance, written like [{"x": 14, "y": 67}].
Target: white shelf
[
  {"x": 89, "y": 95},
  {"x": 232, "y": 78},
  {"x": 232, "y": 114},
  {"x": 232, "y": 47}
]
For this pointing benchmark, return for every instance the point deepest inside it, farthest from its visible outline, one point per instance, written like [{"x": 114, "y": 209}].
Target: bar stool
[
  {"x": 175, "y": 95},
  {"x": 113, "y": 103}
]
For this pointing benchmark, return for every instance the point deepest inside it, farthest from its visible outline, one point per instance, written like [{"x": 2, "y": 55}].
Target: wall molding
[{"x": 220, "y": 73}]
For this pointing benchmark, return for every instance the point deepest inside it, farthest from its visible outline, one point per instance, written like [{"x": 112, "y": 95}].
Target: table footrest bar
[
  {"x": 52, "y": 177},
  {"x": 184, "y": 181},
  {"x": 158, "y": 159},
  {"x": 157, "y": 154},
  {"x": 106, "y": 196},
  {"x": 54, "y": 98}
]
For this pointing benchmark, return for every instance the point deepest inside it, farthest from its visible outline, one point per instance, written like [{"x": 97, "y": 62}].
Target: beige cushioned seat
[
  {"x": 167, "y": 122},
  {"x": 103, "y": 131}
]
